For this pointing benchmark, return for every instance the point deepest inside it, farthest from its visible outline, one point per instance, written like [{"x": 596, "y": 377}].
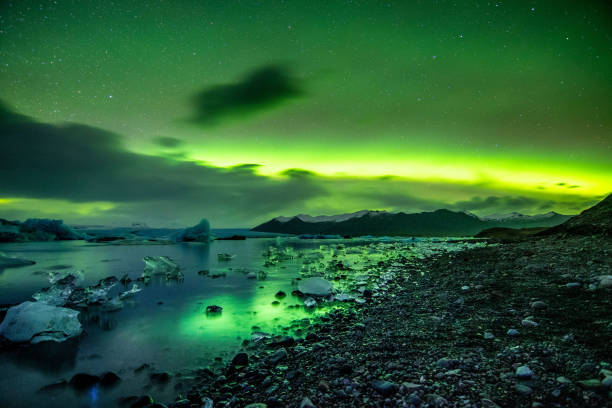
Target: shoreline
[{"x": 441, "y": 336}]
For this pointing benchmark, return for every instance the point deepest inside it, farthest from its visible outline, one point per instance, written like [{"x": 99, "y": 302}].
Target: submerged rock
[
  {"x": 13, "y": 262},
  {"x": 316, "y": 286},
  {"x": 213, "y": 309},
  {"x": 36, "y": 322}
]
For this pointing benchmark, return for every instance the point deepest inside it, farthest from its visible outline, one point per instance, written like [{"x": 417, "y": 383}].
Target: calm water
[{"x": 173, "y": 336}]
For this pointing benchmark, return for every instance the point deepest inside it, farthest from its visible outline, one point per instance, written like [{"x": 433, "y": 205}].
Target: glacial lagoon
[{"x": 165, "y": 327}]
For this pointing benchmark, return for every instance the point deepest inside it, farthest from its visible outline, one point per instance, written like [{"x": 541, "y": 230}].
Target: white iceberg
[
  {"x": 36, "y": 322},
  {"x": 316, "y": 286}
]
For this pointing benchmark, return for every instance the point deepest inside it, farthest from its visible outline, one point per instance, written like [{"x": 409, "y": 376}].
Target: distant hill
[
  {"x": 596, "y": 220},
  {"x": 435, "y": 223}
]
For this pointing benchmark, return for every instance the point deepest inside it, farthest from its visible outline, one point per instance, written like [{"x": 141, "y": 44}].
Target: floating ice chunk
[
  {"x": 225, "y": 257},
  {"x": 161, "y": 265},
  {"x": 63, "y": 284},
  {"x": 35, "y": 322},
  {"x": 129, "y": 293},
  {"x": 316, "y": 286}
]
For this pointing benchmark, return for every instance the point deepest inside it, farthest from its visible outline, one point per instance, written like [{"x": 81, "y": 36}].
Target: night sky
[{"x": 165, "y": 112}]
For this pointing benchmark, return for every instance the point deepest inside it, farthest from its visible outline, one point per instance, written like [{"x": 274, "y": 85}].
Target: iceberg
[
  {"x": 197, "y": 233},
  {"x": 49, "y": 230},
  {"x": 35, "y": 322},
  {"x": 316, "y": 286}
]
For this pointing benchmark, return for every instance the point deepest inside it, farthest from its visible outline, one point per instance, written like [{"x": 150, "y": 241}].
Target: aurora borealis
[{"x": 166, "y": 112}]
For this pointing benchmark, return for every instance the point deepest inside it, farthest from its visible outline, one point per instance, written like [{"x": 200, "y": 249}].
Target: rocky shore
[{"x": 524, "y": 324}]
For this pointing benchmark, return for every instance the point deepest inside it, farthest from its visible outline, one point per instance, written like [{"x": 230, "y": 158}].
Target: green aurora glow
[{"x": 482, "y": 106}]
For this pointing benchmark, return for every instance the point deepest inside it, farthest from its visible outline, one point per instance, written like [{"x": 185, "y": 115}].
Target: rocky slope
[{"x": 593, "y": 221}]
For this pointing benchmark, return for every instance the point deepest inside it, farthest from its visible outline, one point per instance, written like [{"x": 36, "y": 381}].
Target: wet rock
[
  {"x": 280, "y": 294},
  {"x": 159, "y": 378},
  {"x": 383, "y": 387},
  {"x": 573, "y": 285},
  {"x": 142, "y": 401},
  {"x": 488, "y": 336},
  {"x": 57, "y": 386},
  {"x": 524, "y": 373},
  {"x": 523, "y": 389},
  {"x": 446, "y": 362},
  {"x": 278, "y": 356},
  {"x": 315, "y": 286},
  {"x": 307, "y": 403},
  {"x": 83, "y": 381},
  {"x": 513, "y": 332},
  {"x": 213, "y": 309},
  {"x": 538, "y": 305},
  {"x": 592, "y": 384},
  {"x": 109, "y": 379},
  {"x": 529, "y": 323},
  {"x": 240, "y": 359},
  {"x": 436, "y": 400},
  {"x": 284, "y": 341},
  {"x": 141, "y": 368}
]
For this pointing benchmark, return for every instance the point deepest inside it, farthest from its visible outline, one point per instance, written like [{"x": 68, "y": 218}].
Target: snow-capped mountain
[{"x": 331, "y": 218}]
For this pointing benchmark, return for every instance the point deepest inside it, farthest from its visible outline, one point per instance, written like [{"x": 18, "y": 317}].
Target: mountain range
[{"x": 435, "y": 223}]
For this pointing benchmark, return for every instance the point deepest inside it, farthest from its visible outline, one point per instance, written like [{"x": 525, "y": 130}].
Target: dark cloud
[
  {"x": 168, "y": 142},
  {"x": 263, "y": 88},
  {"x": 84, "y": 164},
  {"x": 499, "y": 204}
]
